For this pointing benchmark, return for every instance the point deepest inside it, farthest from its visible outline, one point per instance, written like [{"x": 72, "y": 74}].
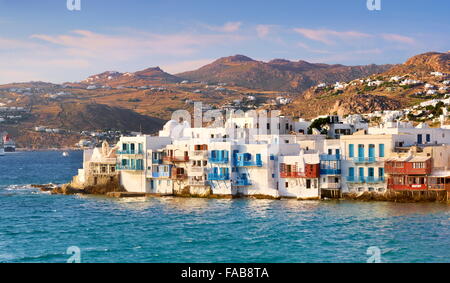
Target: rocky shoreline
[{"x": 114, "y": 190}]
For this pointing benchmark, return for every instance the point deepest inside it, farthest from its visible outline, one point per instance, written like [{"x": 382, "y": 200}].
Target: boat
[
  {"x": 8, "y": 143},
  {"x": 65, "y": 154},
  {"x": 2, "y": 151}
]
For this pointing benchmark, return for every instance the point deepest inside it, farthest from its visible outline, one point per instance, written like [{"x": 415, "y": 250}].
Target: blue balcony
[
  {"x": 330, "y": 171},
  {"x": 364, "y": 159},
  {"x": 121, "y": 167},
  {"x": 361, "y": 180},
  {"x": 218, "y": 177},
  {"x": 330, "y": 157},
  {"x": 246, "y": 160},
  {"x": 160, "y": 174},
  {"x": 218, "y": 160},
  {"x": 157, "y": 161},
  {"x": 129, "y": 152},
  {"x": 242, "y": 182}
]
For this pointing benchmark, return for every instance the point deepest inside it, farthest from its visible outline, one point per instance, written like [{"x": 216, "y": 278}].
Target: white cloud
[
  {"x": 398, "y": 38},
  {"x": 263, "y": 30},
  {"x": 328, "y": 36},
  {"x": 228, "y": 27}
]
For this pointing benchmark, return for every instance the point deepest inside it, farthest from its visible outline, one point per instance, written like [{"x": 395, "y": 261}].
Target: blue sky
[{"x": 43, "y": 40}]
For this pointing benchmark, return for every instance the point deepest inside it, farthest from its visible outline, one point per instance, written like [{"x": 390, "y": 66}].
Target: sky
[{"x": 45, "y": 41}]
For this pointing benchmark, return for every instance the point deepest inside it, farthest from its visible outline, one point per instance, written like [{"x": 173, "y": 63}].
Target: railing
[
  {"x": 354, "y": 179},
  {"x": 198, "y": 183},
  {"x": 243, "y": 182},
  {"x": 200, "y": 154},
  {"x": 160, "y": 174},
  {"x": 330, "y": 157},
  {"x": 218, "y": 177},
  {"x": 129, "y": 168},
  {"x": 332, "y": 186},
  {"x": 176, "y": 158},
  {"x": 292, "y": 175},
  {"x": 248, "y": 163},
  {"x": 364, "y": 159},
  {"x": 330, "y": 171},
  {"x": 157, "y": 161},
  {"x": 219, "y": 160},
  {"x": 129, "y": 152},
  {"x": 406, "y": 187},
  {"x": 179, "y": 176}
]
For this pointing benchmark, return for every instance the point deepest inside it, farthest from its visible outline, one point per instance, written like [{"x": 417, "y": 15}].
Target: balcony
[
  {"x": 179, "y": 177},
  {"x": 121, "y": 167},
  {"x": 198, "y": 183},
  {"x": 246, "y": 160},
  {"x": 242, "y": 183},
  {"x": 160, "y": 175},
  {"x": 157, "y": 161},
  {"x": 292, "y": 175},
  {"x": 358, "y": 160},
  {"x": 407, "y": 187},
  {"x": 200, "y": 154},
  {"x": 361, "y": 180},
  {"x": 248, "y": 163},
  {"x": 330, "y": 186},
  {"x": 219, "y": 160},
  {"x": 130, "y": 152},
  {"x": 330, "y": 171},
  {"x": 218, "y": 177},
  {"x": 176, "y": 158},
  {"x": 330, "y": 157}
]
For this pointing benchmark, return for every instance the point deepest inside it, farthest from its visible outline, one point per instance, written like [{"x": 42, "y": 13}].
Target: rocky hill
[
  {"x": 278, "y": 74},
  {"x": 420, "y": 78},
  {"x": 145, "y": 77},
  {"x": 423, "y": 64}
]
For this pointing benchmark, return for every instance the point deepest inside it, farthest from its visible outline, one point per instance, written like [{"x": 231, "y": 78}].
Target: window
[
  {"x": 419, "y": 165},
  {"x": 287, "y": 185},
  {"x": 351, "y": 150},
  {"x": 428, "y": 138},
  {"x": 361, "y": 150},
  {"x": 308, "y": 184},
  {"x": 381, "y": 150},
  {"x": 381, "y": 172}
]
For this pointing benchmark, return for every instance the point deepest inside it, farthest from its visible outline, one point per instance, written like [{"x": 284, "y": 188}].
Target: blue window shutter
[
  {"x": 381, "y": 150},
  {"x": 351, "y": 150}
]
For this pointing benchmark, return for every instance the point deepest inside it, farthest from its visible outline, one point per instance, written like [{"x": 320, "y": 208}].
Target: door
[
  {"x": 351, "y": 174},
  {"x": 361, "y": 152},
  {"x": 372, "y": 152},
  {"x": 361, "y": 173}
]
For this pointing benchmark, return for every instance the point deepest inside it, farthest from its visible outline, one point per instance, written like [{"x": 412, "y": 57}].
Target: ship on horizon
[{"x": 8, "y": 144}]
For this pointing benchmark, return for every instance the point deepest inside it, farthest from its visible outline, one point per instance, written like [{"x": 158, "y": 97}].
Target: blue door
[
  {"x": 361, "y": 152},
  {"x": 419, "y": 139},
  {"x": 381, "y": 149},
  {"x": 351, "y": 150},
  {"x": 351, "y": 174},
  {"x": 381, "y": 173},
  {"x": 372, "y": 152},
  {"x": 361, "y": 173}
]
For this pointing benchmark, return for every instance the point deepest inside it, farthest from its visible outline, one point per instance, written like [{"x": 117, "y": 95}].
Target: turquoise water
[{"x": 38, "y": 227}]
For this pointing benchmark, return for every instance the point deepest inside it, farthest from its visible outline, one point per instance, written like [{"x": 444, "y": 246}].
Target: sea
[{"x": 39, "y": 227}]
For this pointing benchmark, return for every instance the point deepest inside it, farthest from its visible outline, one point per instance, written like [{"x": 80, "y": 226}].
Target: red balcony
[
  {"x": 407, "y": 184},
  {"x": 413, "y": 166},
  {"x": 311, "y": 171}
]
